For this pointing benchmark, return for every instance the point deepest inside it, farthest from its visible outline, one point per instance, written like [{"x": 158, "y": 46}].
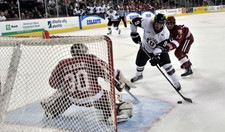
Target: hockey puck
[{"x": 179, "y": 102}]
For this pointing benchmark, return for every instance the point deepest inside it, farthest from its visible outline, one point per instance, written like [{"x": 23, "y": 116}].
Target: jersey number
[{"x": 79, "y": 81}]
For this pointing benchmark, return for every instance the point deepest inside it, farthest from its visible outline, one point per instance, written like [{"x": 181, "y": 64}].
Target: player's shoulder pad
[
  {"x": 136, "y": 21},
  {"x": 63, "y": 62}
]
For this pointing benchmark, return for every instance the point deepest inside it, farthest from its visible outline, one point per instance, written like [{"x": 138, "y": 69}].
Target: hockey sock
[
  {"x": 140, "y": 70},
  {"x": 171, "y": 72}
]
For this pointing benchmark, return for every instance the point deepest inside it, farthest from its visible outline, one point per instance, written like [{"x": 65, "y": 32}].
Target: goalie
[{"x": 76, "y": 81}]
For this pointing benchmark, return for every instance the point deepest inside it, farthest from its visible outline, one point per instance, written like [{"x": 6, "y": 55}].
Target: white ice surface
[{"x": 206, "y": 87}]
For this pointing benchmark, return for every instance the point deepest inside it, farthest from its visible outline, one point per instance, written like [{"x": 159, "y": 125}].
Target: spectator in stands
[
  {"x": 157, "y": 5},
  {"x": 140, "y": 7},
  {"x": 40, "y": 15},
  {"x": 23, "y": 16},
  {"x": 95, "y": 3},
  {"x": 51, "y": 7},
  {"x": 70, "y": 10},
  {"x": 12, "y": 5},
  {"x": 16, "y": 17},
  {"x": 35, "y": 12},
  {"x": 148, "y": 6},
  {"x": 63, "y": 9},
  {"x": 132, "y": 7},
  {"x": 6, "y": 14},
  {"x": 2, "y": 17}
]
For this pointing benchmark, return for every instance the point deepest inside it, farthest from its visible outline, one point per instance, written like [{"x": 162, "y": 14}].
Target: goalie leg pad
[
  {"x": 124, "y": 111},
  {"x": 56, "y": 104}
]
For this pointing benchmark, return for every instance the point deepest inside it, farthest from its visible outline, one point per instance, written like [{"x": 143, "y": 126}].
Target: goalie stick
[
  {"x": 186, "y": 99},
  {"x": 127, "y": 89}
]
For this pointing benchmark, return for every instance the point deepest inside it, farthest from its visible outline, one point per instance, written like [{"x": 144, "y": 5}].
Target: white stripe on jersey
[{"x": 184, "y": 48}]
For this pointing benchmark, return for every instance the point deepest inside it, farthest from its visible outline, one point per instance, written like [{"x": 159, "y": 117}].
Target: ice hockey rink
[{"x": 206, "y": 87}]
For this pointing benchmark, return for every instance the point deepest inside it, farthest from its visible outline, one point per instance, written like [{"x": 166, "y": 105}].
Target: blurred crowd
[{"x": 31, "y": 9}]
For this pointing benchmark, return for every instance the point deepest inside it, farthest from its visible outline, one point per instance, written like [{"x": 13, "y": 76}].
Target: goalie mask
[{"x": 78, "y": 49}]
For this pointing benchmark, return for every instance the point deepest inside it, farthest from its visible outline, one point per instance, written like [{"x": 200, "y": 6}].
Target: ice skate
[
  {"x": 119, "y": 31},
  {"x": 189, "y": 64},
  {"x": 187, "y": 72},
  {"x": 177, "y": 86},
  {"x": 136, "y": 78},
  {"x": 110, "y": 32}
]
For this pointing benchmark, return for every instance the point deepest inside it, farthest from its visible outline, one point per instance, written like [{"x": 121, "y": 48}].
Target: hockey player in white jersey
[
  {"x": 155, "y": 37},
  {"x": 113, "y": 18}
]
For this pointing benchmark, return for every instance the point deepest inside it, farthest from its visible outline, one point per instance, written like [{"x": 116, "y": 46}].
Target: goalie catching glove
[
  {"x": 135, "y": 37},
  {"x": 121, "y": 81}
]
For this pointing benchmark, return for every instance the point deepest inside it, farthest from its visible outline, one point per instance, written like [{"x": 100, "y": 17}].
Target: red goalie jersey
[
  {"x": 78, "y": 77},
  {"x": 179, "y": 34}
]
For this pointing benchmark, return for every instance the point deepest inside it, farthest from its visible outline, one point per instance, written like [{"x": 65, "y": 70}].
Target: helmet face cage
[
  {"x": 171, "y": 19},
  {"x": 160, "y": 18},
  {"x": 78, "y": 49}
]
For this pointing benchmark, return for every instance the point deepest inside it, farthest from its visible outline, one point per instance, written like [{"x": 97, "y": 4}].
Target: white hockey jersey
[
  {"x": 113, "y": 15},
  {"x": 150, "y": 37},
  {"x": 91, "y": 9}
]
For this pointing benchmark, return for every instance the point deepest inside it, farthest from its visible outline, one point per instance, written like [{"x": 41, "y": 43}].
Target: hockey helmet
[
  {"x": 171, "y": 19},
  {"x": 160, "y": 18},
  {"x": 78, "y": 49}
]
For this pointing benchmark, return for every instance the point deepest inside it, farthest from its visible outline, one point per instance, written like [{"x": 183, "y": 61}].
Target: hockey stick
[
  {"x": 186, "y": 99},
  {"x": 127, "y": 89}
]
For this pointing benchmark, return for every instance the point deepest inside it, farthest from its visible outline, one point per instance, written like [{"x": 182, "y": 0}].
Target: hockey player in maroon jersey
[
  {"x": 181, "y": 40},
  {"x": 76, "y": 82},
  {"x": 154, "y": 38}
]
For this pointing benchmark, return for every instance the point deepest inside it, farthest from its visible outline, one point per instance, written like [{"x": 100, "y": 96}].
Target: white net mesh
[{"x": 44, "y": 88}]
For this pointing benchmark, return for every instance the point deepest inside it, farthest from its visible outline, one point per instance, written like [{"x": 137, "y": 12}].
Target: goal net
[{"x": 64, "y": 83}]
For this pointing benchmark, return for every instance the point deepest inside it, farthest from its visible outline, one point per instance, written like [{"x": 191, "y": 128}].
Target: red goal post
[{"x": 26, "y": 66}]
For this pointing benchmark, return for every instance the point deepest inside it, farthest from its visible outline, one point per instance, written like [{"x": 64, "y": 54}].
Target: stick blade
[{"x": 188, "y": 100}]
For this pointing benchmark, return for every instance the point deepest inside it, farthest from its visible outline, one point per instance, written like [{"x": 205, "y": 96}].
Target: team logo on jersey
[
  {"x": 152, "y": 42},
  {"x": 179, "y": 32}
]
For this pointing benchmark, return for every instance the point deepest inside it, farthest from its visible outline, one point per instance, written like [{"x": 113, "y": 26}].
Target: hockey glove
[
  {"x": 157, "y": 51},
  {"x": 155, "y": 60},
  {"x": 135, "y": 37},
  {"x": 163, "y": 45}
]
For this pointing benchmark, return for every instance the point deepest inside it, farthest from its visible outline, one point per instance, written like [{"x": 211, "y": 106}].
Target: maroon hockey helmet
[
  {"x": 78, "y": 49},
  {"x": 171, "y": 19}
]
